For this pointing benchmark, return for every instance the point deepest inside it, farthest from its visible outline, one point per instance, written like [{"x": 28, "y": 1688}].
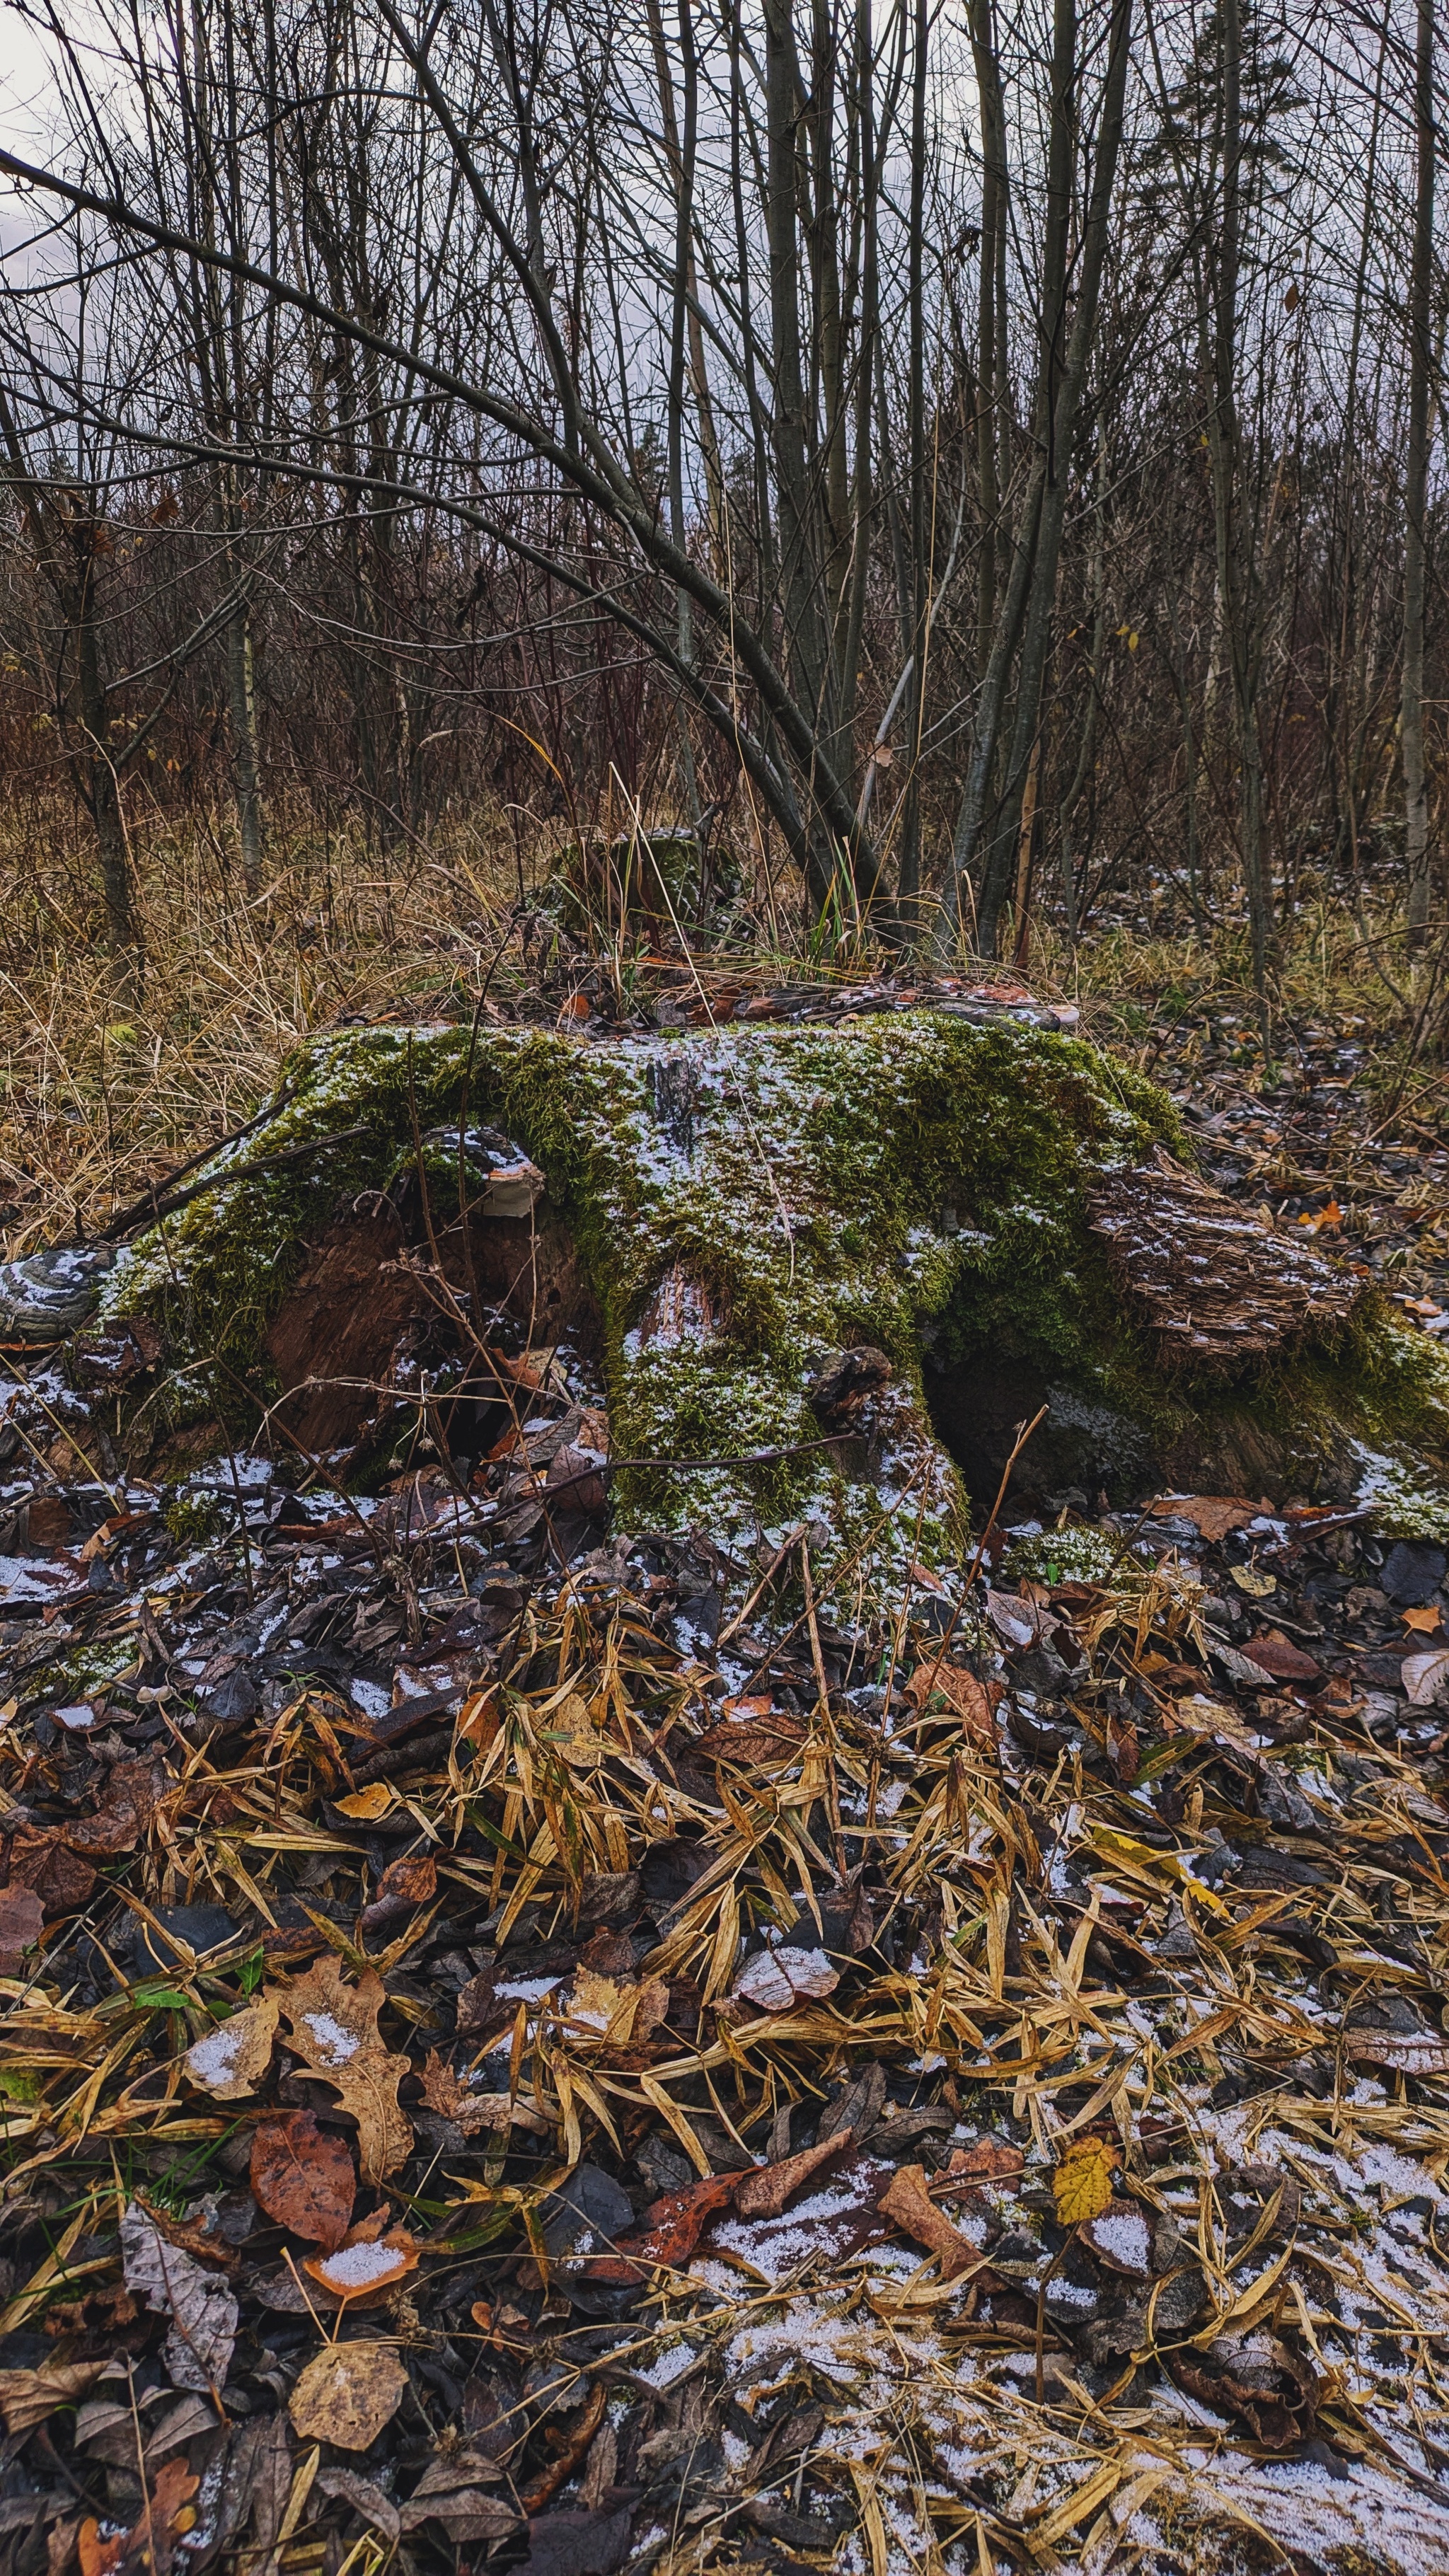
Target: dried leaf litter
[{"x": 504, "y": 2067}]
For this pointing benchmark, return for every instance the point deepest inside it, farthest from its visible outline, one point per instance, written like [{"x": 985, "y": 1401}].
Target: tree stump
[{"x": 816, "y": 1274}]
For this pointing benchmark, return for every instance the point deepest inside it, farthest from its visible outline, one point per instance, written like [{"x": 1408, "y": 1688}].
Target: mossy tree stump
[{"x": 999, "y": 1211}]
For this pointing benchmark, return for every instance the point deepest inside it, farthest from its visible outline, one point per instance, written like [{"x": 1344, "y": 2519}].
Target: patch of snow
[
  {"x": 356, "y": 2267},
  {"x": 334, "y": 2044},
  {"x": 212, "y": 2060}
]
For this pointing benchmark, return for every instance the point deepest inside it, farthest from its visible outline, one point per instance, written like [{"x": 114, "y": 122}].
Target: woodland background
[{"x": 965, "y": 462}]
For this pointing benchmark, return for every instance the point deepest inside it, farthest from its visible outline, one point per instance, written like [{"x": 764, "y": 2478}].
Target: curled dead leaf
[
  {"x": 28, "y": 2396},
  {"x": 763, "y": 2193},
  {"x": 473, "y": 2112},
  {"x": 404, "y": 1885},
  {"x": 366, "y": 2265},
  {"x": 905, "y": 2200},
  {"x": 230, "y": 2061}
]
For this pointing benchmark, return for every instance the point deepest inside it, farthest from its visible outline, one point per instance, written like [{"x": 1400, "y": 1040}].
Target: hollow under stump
[{"x": 870, "y": 1249}]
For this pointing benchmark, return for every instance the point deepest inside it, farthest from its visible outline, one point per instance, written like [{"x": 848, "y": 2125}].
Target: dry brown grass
[{"x": 105, "y": 1087}]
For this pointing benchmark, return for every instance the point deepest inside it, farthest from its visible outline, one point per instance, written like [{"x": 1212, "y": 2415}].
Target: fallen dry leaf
[
  {"x": 1214, "y": 1719},
  {"x": 366, "y": 2264},
  {"x": 905, "y": 2200},
  {"x": 673, "y": 2226},
  {"x": 1213, "y": 1515},
  {"x": 1256, "y": 2378},
  {"x": 302, "y": 2177},
  {"x": 42, "y": 1860},
  {"x": 230, "y": 2061},
  {"x": 1122, "y": 2238},
  {"x": 404, "y": 1885},
  {"x": 624, "y": 2014},
  {"x": 346, "y": 2394},
  {"x": 764, "y": 2193},
  {"x": 757, "y": 1734},
  {"x": 1249, "y": 1579},
  {"x": 334, "y": 2030},
  {"x": 473, "y": 2112},
  {"x": 449, "y": 2492},
  {"x": 987, "y": 2161},
  {"x": 132, "y": 1795},
  {"x": 1399, "y": 2052},
  {"x": 152, "y": 2541},
  {"x": 975, "y": 1702},
  {"x": 569, "y": 1730},
  {"x": 1082, "y": 2182},
  {"x": 776, "y": 1979},
  {"x": 203, "y": 2311},
  {"x": 28, "y": 2396},
  {"x": 1276, "y": 1654},
  {"x": 367, "y": 1804},
  {"x": 21, "y": 1918},
  {"x": 1424, "y": 1676}
]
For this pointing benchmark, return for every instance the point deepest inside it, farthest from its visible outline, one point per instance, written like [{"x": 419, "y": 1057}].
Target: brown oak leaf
[{"x": 334, "y": 2031}]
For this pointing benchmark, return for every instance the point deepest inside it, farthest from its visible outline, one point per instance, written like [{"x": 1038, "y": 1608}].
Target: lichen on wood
[{"x": 962, "y": 1197}]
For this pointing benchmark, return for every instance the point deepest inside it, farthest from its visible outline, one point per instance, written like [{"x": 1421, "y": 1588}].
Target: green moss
[
  {"x": 87, "y": 1669},
  {"x": 1062, "y": 1556},
  {"x": 828, "y": 1185},
  {"x": 192, "y": 1519}
]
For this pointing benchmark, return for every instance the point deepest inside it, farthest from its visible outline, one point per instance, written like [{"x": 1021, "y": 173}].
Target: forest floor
[{"x": 405, "y": 2159}]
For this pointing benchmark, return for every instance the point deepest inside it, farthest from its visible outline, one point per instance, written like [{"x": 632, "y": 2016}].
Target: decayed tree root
[{"x": 864, "y": 1249}]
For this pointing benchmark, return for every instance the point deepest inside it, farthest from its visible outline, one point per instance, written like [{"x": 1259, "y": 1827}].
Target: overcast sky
[{"x": 25, "y": 89}]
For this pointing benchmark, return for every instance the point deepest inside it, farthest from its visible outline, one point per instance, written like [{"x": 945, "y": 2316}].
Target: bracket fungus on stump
[{"x": 870, "y": 1248}]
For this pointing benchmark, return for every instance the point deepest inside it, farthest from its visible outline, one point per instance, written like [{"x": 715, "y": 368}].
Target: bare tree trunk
[
  {"x": 991, "y": 392},
  {"x": 246, "y": 770},
  {"x": 800, "y": 572},
  {"x": 1026, "y": 615},
  {"x": 1087, "y": 750},
  {"x": 1237, "y": 580},
  {"x": 909, "y": 878},
  {"x": 68, "y": 544},
  {"x": 1416, "y": 799}
]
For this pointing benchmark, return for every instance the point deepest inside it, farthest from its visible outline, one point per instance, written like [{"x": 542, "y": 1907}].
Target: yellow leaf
[
  {"x": 367, "y": 1804},
  {"x": 1257, "y": 1586},
  {"x": 1082, "y": 2183}
]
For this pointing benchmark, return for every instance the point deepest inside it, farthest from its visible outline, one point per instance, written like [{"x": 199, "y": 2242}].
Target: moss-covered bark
[{"x": 746, "y": 1202}]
